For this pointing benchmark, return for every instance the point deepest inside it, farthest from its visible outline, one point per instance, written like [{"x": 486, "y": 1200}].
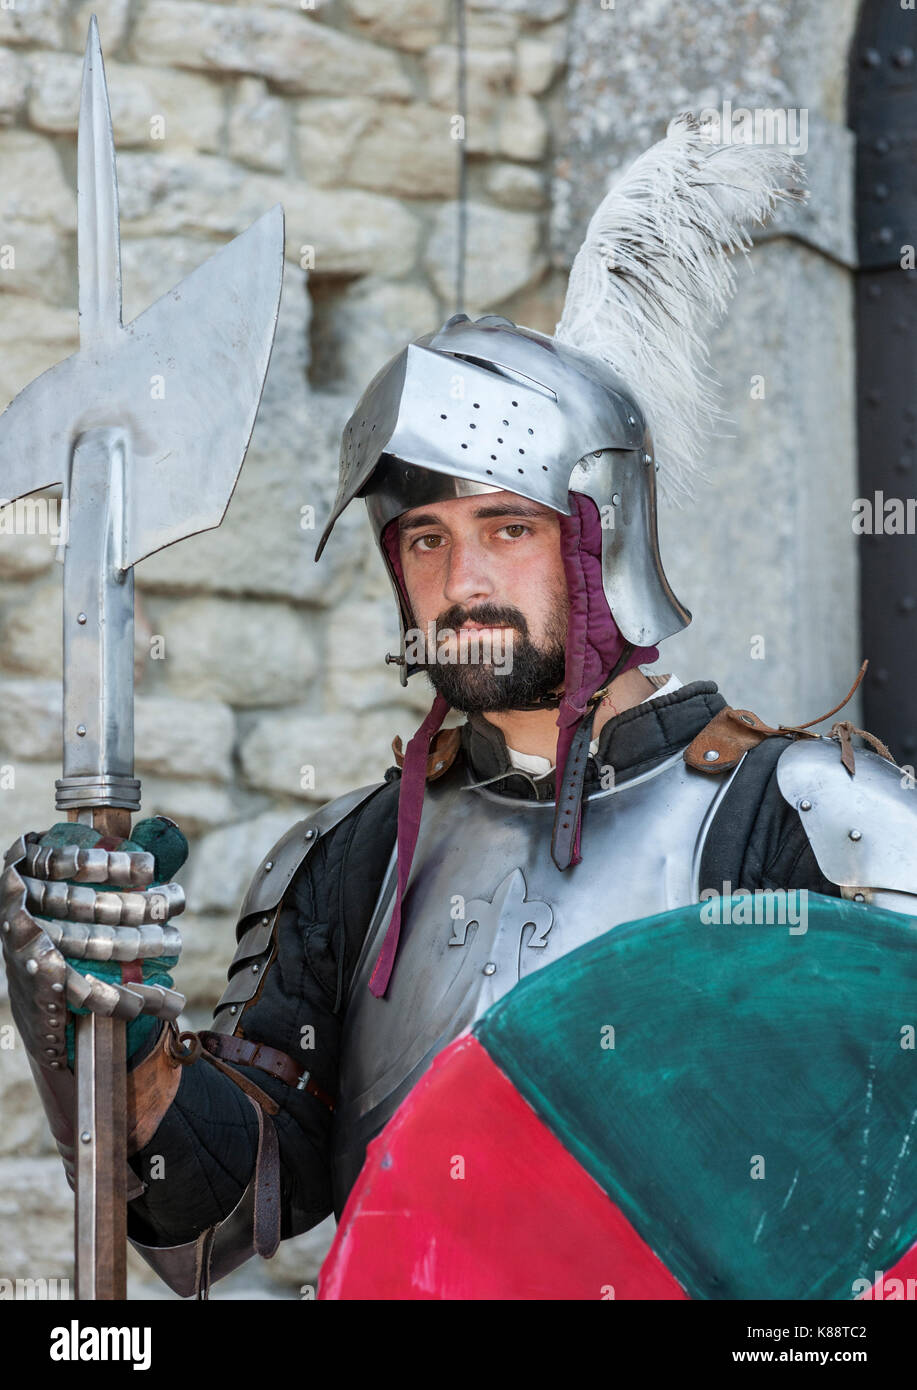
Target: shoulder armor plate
[
  {"x": 862, "y": 828},
  {"x": 275, "y": 872},
  {"x": 272, "y": 879}
]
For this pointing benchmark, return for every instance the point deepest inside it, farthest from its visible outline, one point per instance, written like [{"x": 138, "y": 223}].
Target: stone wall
[
  {"x": 261, "y": 686},
  {"x": 260, "y": 677}
]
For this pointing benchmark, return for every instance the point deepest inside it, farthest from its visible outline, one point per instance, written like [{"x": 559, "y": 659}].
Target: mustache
[{"x": 488, "y": 614}]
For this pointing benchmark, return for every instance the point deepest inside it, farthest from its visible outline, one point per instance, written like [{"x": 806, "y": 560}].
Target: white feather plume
[{"x": 655, "y": 272}]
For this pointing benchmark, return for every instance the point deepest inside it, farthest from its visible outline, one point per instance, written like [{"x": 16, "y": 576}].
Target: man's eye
[
  {"x": 428, "y": 542},
  {"x": 515, "y": 529}
]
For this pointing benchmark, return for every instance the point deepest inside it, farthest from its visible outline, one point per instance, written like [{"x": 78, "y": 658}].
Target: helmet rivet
[
  {"x": 490, "y": 968},
  {"x": 711, "y": 756},
  {"x": 859, "y": 897},
  {"x": 805, "y": 805},
  {"x": 615, "y": 499},
  {"x": 856, "y": 835}
]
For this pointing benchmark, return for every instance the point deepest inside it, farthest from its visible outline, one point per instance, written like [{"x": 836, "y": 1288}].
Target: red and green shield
[{"x": 682, "y": 1108}]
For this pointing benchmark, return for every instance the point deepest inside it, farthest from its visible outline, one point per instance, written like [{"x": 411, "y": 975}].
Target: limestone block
[
  {"x": 30, "y": 717},
  {"x": 30, "y": 630},
  {"x": 33, "y": 188},
  {"x": 266, "y": 544},
  {"x": 223, "y": 863},
  {"x": 320, "y": 756},
  {"x": 346, "y": 232},
  {"x": 503, "y": 253},
  {"x": 14, "y": 83},
  {"x": 537, "y": 65},
  {"x": 410, "y": 24},
  {"x": 259, "y": 126},
  {"x": 36, "y": 1220},
  {"x": 194, "y": 806},
  {"x": 515, "y": 186},
  {"x": 360, "y": 633},
  {"x": 328, "y": 130},
  {"x": 534, "y": 11},
  {"x": 244, "y": 652},
  {"x": 367, "y": 324},
  {"x": 208, "y": 943},
  {"x": 489, "y": 76},
  {"x": 33, "y": 21},
  {"x": 407, "y": 150},
  {"x": 113, "y": 16},
  {"x": 27, "y": 804},
  {"x": 149, "y": 106},
  {"x": 290, "y": 50},
  {"x": 523, "y": 129},
  {"x": 22, "y": 554},
  {"x": 33, "y": 337},
  {"x": 183, "y": 738},
  {"x": 35, "y": 260},
  {"x": 24, "y": 1129}
]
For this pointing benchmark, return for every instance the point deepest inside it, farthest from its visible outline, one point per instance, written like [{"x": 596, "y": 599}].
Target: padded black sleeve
[
  {"x": 756, "y": 840},
  {"x": 207, "y": 1139}
]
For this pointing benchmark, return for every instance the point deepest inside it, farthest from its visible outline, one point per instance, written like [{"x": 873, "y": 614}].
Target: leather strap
[
  {"x": 151, "y": 1088},
  {"x": 267, "y": 1059},
  {"x": 267, "y": 1189},
  {"x": 570, "y": 793}
]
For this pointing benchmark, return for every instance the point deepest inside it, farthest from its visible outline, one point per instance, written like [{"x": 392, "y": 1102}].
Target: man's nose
[{"x": 468, "y": 578}]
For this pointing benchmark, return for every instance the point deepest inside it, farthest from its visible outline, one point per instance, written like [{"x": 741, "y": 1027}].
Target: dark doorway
[{"x": 883, "y": 115}]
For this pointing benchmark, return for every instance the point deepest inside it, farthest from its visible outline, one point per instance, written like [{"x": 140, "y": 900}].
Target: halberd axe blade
[{"x": 145, "y": 427}]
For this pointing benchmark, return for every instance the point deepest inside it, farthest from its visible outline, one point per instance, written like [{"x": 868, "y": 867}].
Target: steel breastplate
[{"x": 486, "y": 905}]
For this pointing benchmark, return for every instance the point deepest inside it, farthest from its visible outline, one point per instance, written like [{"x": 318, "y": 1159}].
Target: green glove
[{"x": 163, "y": 839}]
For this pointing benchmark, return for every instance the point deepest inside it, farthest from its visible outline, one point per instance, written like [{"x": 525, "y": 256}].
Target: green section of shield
[{"x": 738, "y": 1049}]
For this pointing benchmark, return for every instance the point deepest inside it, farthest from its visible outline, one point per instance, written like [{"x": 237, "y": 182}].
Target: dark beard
[{"x": 479, "y": 687}]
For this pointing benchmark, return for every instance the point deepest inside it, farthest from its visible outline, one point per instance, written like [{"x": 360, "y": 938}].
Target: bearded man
[{"x": 510, "y": 480}]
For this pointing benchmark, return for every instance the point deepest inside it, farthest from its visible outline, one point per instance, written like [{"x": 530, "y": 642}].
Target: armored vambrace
[{"x": 85, "y": 929}]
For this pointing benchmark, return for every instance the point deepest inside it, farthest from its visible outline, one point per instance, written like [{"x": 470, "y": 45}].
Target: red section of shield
[
  {"x": 467, "y": 1195},
  {"x": 885, "y": 1289}
]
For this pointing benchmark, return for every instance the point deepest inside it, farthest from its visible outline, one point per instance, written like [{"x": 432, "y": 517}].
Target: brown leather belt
[{"x": 267, "y": 1059}]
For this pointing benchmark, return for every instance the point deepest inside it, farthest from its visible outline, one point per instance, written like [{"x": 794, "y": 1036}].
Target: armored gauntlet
[{"x": 85, "y": 927}]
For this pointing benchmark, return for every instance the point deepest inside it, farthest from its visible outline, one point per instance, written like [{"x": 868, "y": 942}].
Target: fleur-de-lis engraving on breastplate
[{"x": 508, "y": 911}]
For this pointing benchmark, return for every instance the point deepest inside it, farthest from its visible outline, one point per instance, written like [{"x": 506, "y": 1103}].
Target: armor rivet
[
  {"x": 647, "y": 458},
  {"x": 81, "y": 730},
  {"x": 55, "y": 1065},
  {"x": 309, "y": 834},
  {"x": 86, "y": 1137},
  {"x": 81, "y": 618},
  {"x": 490, "y": 968},
  {"x": 52, "y": 1007},
  {"x": 437, "y": 767},
  {"x": 255, "y": 969},
  {"x": 711, "y": 755},
  {"x": 859, "y": 897},
  {"x": 264, "y": 921},
  {"x": 631, "y": 420},
  {"x": 268, "y": 866},
  {"x": 856, "y": 835},
  {"x": 31, "y": 967},
  {"x": 615, "y": 499},
  {"x": 58, "y": 987},
  {"x": 50, "y": 1037},
  {"x": 6, "y": 926},
  {"x": 233, "y": 1009}
]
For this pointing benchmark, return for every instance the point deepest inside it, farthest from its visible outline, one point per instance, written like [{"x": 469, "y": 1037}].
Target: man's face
[{"x": 487, "y": 572}]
